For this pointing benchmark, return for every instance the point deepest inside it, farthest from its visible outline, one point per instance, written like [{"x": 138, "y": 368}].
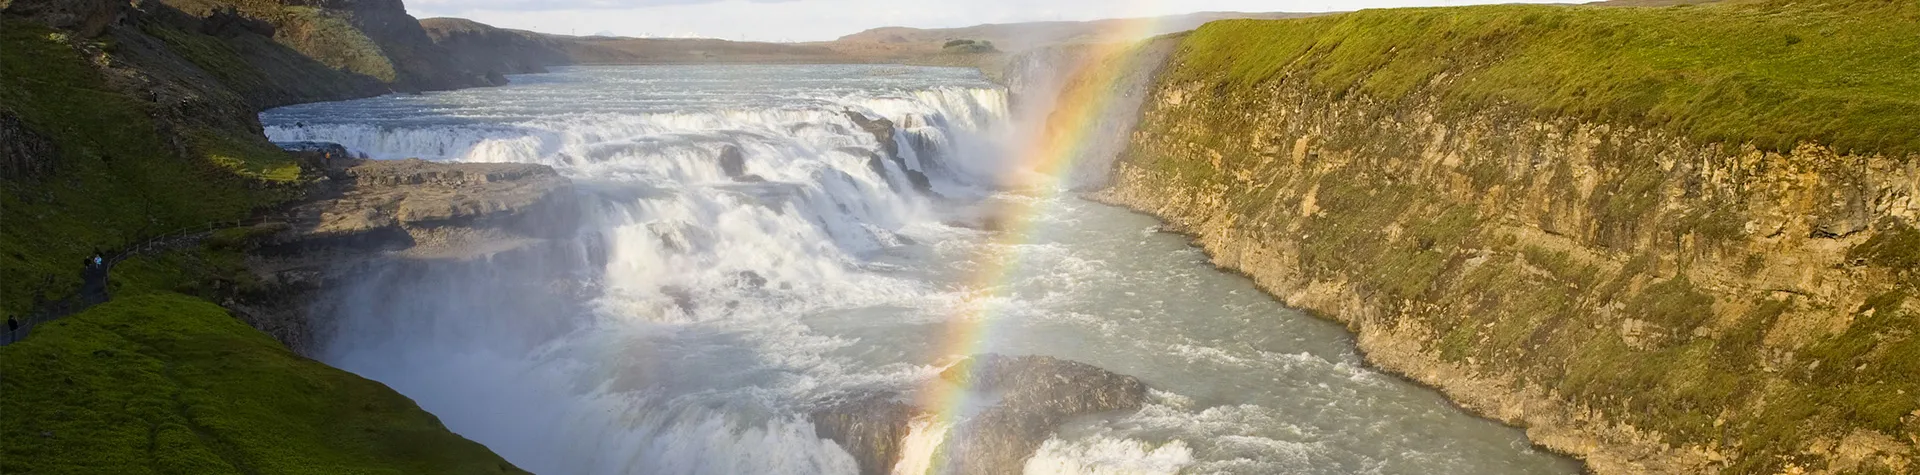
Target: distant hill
[
  {"x": 605, "y": 50},
  {"x": 1015, "y": 37},
  {"x": 494, "y": 51}
]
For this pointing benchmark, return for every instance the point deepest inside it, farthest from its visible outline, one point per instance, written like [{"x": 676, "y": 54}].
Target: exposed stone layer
[
  {"x": 435, "y": 208},
  {"x": 1647, "y": 302}
]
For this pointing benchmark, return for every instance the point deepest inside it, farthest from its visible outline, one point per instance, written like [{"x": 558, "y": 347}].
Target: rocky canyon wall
[{"x": 1635, "y": 295}]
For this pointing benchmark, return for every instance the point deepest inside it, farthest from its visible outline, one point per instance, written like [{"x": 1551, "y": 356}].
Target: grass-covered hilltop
[{"x": 1666, "y": 240}]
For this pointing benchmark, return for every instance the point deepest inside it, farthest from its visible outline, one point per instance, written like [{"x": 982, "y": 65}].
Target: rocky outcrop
[
  {"x": 24, "y": 153},
  {"x": 1648, "y": 301},
  {"x": 872, "y": 428},
  {"x": 87, "y": 18},
  {"x": 1035, "y": 394},
  {"x": 365, "y": 217},
  {"x": 434, "y": 209},
  {"x": 883, "y": 131}
]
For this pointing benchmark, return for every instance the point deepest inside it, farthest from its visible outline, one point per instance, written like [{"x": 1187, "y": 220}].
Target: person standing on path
[{"x": 13, "y": 326}]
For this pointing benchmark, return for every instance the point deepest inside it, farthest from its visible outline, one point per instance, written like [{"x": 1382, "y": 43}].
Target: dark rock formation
[
  {"x": 230, "y": 23},
  {"x": 883, "y": 131},
  {"x": 732, "y": 162},
  {"x": 87, "y": 18},
  {"x": 1035, "y": 393},
  {"x": 871, "y": 428},
  {"x": 24, "y": 154}
]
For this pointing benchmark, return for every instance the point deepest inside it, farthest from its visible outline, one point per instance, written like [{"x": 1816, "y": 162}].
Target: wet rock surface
[
  {"x": 1037, "y": 394},
  {"x": 1034, "y": 394},
  {"x": 871, "y": 427},
  {"x": 883, "y": 131}
]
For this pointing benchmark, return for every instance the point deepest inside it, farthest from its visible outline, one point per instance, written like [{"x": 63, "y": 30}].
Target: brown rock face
[
  {"x": 436, "y": 208},
  {"x": 871, "y": 428},
  {"x": 1035, "y": 394},
  {"x": 1648, "y": 302}
]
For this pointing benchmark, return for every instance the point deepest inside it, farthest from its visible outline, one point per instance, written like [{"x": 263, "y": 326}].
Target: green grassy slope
[
  {"x": 164, "y": 383},
  {"x": 117, "y": 178},
  {"x": 373, "y": 38},
  {"x": 154, "y": 131},
  {"x": 1770, "y": 72}
]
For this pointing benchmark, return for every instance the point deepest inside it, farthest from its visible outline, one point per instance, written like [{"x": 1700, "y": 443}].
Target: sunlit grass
[{"x": 1773, "y": 73}]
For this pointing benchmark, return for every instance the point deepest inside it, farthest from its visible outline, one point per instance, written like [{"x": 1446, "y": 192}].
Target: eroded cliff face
[{"x": 1642, "y": 300}]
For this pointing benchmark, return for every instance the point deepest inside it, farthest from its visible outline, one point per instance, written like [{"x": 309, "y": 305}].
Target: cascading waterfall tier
[{"x": 720, "y": 203}]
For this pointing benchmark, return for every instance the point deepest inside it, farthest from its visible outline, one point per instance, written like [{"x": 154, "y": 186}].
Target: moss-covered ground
[
  {"x": 118, "y": 177},
  {"x": 166, "y": 383},
  {"x": 1770, "y": 72},
  {"x": 161, "y": 380}
]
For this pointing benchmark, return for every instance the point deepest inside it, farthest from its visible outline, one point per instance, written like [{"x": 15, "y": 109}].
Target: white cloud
[{"x": 815, "y": 20}]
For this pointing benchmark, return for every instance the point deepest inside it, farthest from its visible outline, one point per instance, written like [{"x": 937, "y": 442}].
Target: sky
[{"x": 821, "y": 20}]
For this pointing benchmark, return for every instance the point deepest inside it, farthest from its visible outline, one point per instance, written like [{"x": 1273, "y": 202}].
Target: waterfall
[{"x": 664, "y": 339}]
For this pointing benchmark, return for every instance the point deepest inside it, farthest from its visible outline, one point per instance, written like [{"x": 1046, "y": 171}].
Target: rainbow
[{"x": 1085, "y": 99}]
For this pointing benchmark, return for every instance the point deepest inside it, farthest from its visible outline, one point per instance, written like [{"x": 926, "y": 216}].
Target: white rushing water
[{"x": 699, "y": 318}]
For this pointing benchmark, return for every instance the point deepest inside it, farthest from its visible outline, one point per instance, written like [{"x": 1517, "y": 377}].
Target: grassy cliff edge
[{"x": 1672, "y": 240}]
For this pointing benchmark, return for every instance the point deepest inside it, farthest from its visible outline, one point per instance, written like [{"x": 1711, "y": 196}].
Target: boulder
[
  {"x": 733, "y": 162},
  {"x": 1035, "y": 395},
  {"x": 870, "y": 427}
]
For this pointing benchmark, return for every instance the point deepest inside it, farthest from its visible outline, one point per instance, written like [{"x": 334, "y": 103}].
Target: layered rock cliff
[{"x": 1590, "y": 254}]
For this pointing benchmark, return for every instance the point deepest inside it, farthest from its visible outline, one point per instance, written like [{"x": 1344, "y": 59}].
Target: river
[{"x": 704, "y": 312}]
